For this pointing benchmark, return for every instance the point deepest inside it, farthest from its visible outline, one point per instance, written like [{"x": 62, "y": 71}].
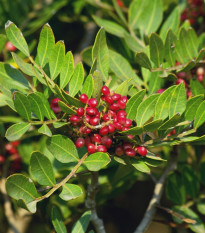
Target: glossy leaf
[
  {"x": 145, "y": 15},
  {"x": 44, "y": 129},
  {"x": 98, "y": 83},
  {"x": 62, "y": 148},
  {"x": 82, "y": 224},
  {"x": 66, "y": 70},
  {"x": 152, "y": 126},
  {"x": 19, "y": 187},
  {"x": 100, "y": 52},
  {"x": 192, "y": 106},
  {"x": 200, "y": 55},
  {"x": 177, "y": 102},
  {"x": 57, "y": 220},
  {"x": 22, "y": 105},
  {"x": 110, "y": 26},
  {"x": 155, "y": 82},
  {"x": 134, "y": 43},
  {"x": 76, "y": 80},
  {"x": 97, "y": 161},
  {"x": 200, "y": 115},
  {"x": 139, "y": 165},
  {"x": 3, "y": 40},
  {"x": 56, "y": 59},
  {"x": 153, "y": 161},
  {"x": 196, "y": 87},
  {"x": 143, "y": 60},
  {"x": 169, "y": 48},
  {"x": 201, "y": 207},
  {"x": 156, "y": 49},
  {"x": 36, "y": 105},
  {"x": 173, "y": 121},
  {"x": 146, "y": 109},
  {"x": 70, "y": 192},
  {"x": 122, "y": 88},
  {"x": 65, "y": 108},
  {"x": 16, "y": 37},
  {"x": 88, "y": 86},
  {"x": 46, "y": 45},
  {"x": 41, "y": 169},
  {"x": 119, "y": 11},
  {"x": 16, "y": 131}
]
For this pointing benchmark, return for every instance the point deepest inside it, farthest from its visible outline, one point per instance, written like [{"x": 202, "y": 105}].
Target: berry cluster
[
  {"x": 54, "y": 105},
  {"x": 194, "y": 10},
  {"x": 14, "y": 157},
  {"x": 98, "y": 123}
]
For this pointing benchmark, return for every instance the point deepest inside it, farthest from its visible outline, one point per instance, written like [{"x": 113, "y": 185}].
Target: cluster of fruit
[
  {"x": 194, "y": 10},
  {"x": 96, "y": 124},
  {"x": 14, "y": 157}
]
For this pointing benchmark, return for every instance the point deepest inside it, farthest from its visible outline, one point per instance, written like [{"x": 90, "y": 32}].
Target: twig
[
  {"x": 149, "y": 214},
  {"x": 91, "y": 204}
]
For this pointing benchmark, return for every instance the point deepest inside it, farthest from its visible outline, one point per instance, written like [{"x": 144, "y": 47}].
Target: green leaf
[
  {"x": 143, "y": 60},
  {"x": 31, "y": 206},
  {"x": 153, "y": 161},
  {"x": 16, "y": 37},
  {"x": 187, "y": 67},
  {"x": 65, "y": 108},
  {"x": 19, "y": 187},
  {"x": 36, "y": 105},
  {"x": 56, "y": 59},
  {"x": 57, "y": 220},
  {"x": 62, "y": 148},
  {"x": 76, "y": 81},
  {"x": 88, "y": 86},
  {"x": 155, "y": 82},
  {"x": 146, "y": 109},
  {"x": 97, "y": 161},
  {"x": 156, "y": 49},
  {"x": 45, "y": 46},
  {"x": 196, "y": 87},
  {"x": 145, "y": 15},
  {"x": 41, "y": 169},
  {"x": 152, "y": 126},
  {"x": 70, "y": 192},
  {"x": 44, "y": 129},
  {"x": 202, "y": 173},
  {"x": 200, "y": 115},
  {"x": 16, "y": 131},
  {"x": 134, "y": 43},
  {"x": 173, "y": 121},
  {"x": 175, "y": 190},
  {"x": 82, "y": 224},
  {"x": 200, "y": 55},
  {"x": 22, "y": 105},
  {"x": 3, "y": 40},
  {"x": 87, "y": 56},
  {"x": 192, "y": 106},
  {"x": 122, "y": 88},
  {"x": 162, "y": 105},
  {"x": 172, "y": 22},
  {"x": 122, "y": 68},
  {"x": 119, "y": 12},
  {"x": 66, "y": 70},
  {"x": 190, "y": 181},
  {"x": 133, "y": 131},
  {"x": 177, "y": 102},
  {"x": 169, "y": 48},
  {"x": 98, "y": 83},
  {"x": 100, "y": 52},
  {"x": 139, "y": 165},
  {"x": 110, "y": 26},
  {"x": 201, "y": 207}
]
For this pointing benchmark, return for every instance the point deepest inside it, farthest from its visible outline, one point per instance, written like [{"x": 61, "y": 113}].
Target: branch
[
  {"x": 149, "y": 214},
  {"x": 91, "y": 204}
]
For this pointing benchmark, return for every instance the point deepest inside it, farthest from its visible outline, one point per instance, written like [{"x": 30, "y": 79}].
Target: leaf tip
[
  {"x": 47, "y": 24},
  {"x": 7, "y": 24}
]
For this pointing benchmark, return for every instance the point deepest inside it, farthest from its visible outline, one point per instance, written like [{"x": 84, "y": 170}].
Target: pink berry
[
  {"x": 10, "y": 47},
  {"x": 92, "y": 102},
  {"x": 114, "y": 107},
  {"x": 117, "y": 125},
  {"x": 128, "y": 123},
  {"x": 74, "y": 119},
  {"x": 91, "y": 111},
  {"x": 80, "y": 111},
  {"x": 106, "y": 117},
  {"x": 200, "y": 78},
  {"x": 56, "y": 109},
  {"x": 116, "y": 97},
  {"x": 188, "y": 94},
  {"x": 141, "y": 150},
  {"x": 125, "y": 128},
  {"x": 101, "y": 148},
  {"x": 111, "y": 128},
  {"x": 96, "y": 138},
  {"x": 179, "y": 80},
  {"x": 124, "y": 99},
  {"x": 160, "y": 91},
  {"x": 108, "y": 99},
  {"x": 121, "y": 104},
  {"x": 104, "y": 130},
  {"x": 130, "y": 136},
  {"x": 94, "y": 121},
  {"x": 121, "y": 113},
  {"x": 130, "y": 152},
  {"x": 87, "y": 118},
  {"x": 55, "y": 101},
  {"x": 91, "y": 148},
  {"x": 105, "y": 90},
  {"x": 181, "y": 75},
  {"x": 121, "y": 119},
  {"x": 84, "y": 98},
  {"x": 200, "y": 71},
  {"x": 80, "y": 142},
  {"x": 119, "y": 150},
  {"x": 106, "y": 141}
]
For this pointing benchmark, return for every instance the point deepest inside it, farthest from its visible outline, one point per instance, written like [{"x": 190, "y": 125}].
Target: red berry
[
  {"x": 108, "y": 99},
  {"x": 80, "y": 111},
  {"x": 125, "y": 128},
  {"x": 121, "y": 113},
  {"x": 200, "y": 78},
  {"x": 104, "y": 130},
  {"x": 130, "y": 136},
  {"x": 101, "y": 148},
  {"x": 120, "y": 3},
  {"x": 96, "y": 138},
  {"x": 111, "y": 113},
  {"x": 87, "y": 130},
  {"x": 2, "y": 159},
  {"x": 10, "y": 47},
  {"x": 179, "y": 80},
  {"x": 127, "y": 145},
  {"x": 124, "y": 99},
  {"x": 102, "y": 97},
  {"x": 8, "y": 146},
  {"x": 191, "y": 21},
  {"x": 130, "y": 152},
  {"x": 114, "y": 107},
  {"x": 105, "y": 90},
  {"x": 87, "y": 140},
  {"x": 117, "y": 125},
  {"x": 74, "y": 119},
  {"x": 97, "y": 114},
  {"x": 92, "y": 102},
  {"x": 91, "y": 148},
  {"x": 111, "y": 128},
  {"x": 91, "y": 111},
  {"x": 121, "y": 104},
  {"x": 94, "y": 120},
  {"x": 160, "y": 91},
  {"x": 106, "y": 141},
  {"x": 84, "y": 98},
  {"x": 16, "y": 166},
  {"x": 55, "y": 101},
  {"x": 141, "y": 150},
  {"x": 106, "y": 117},
  {"x": 13, "y": 150},
  {"x": 87, "y": 118},
  {"x": 128, "y": 123},
  {"x": 15, "y": 143},
  {"x": 181, "y": 75},
  {"x": 119, "y": 150},
  {"x": 16, "y": 157},
  {"x": 56, "y": 109},
  {"x": 121, "y": 119},
  {"x": 80, "y": 142},
  {"x": 188, "y": 94},
  {"x": 116, "y": 97}
]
